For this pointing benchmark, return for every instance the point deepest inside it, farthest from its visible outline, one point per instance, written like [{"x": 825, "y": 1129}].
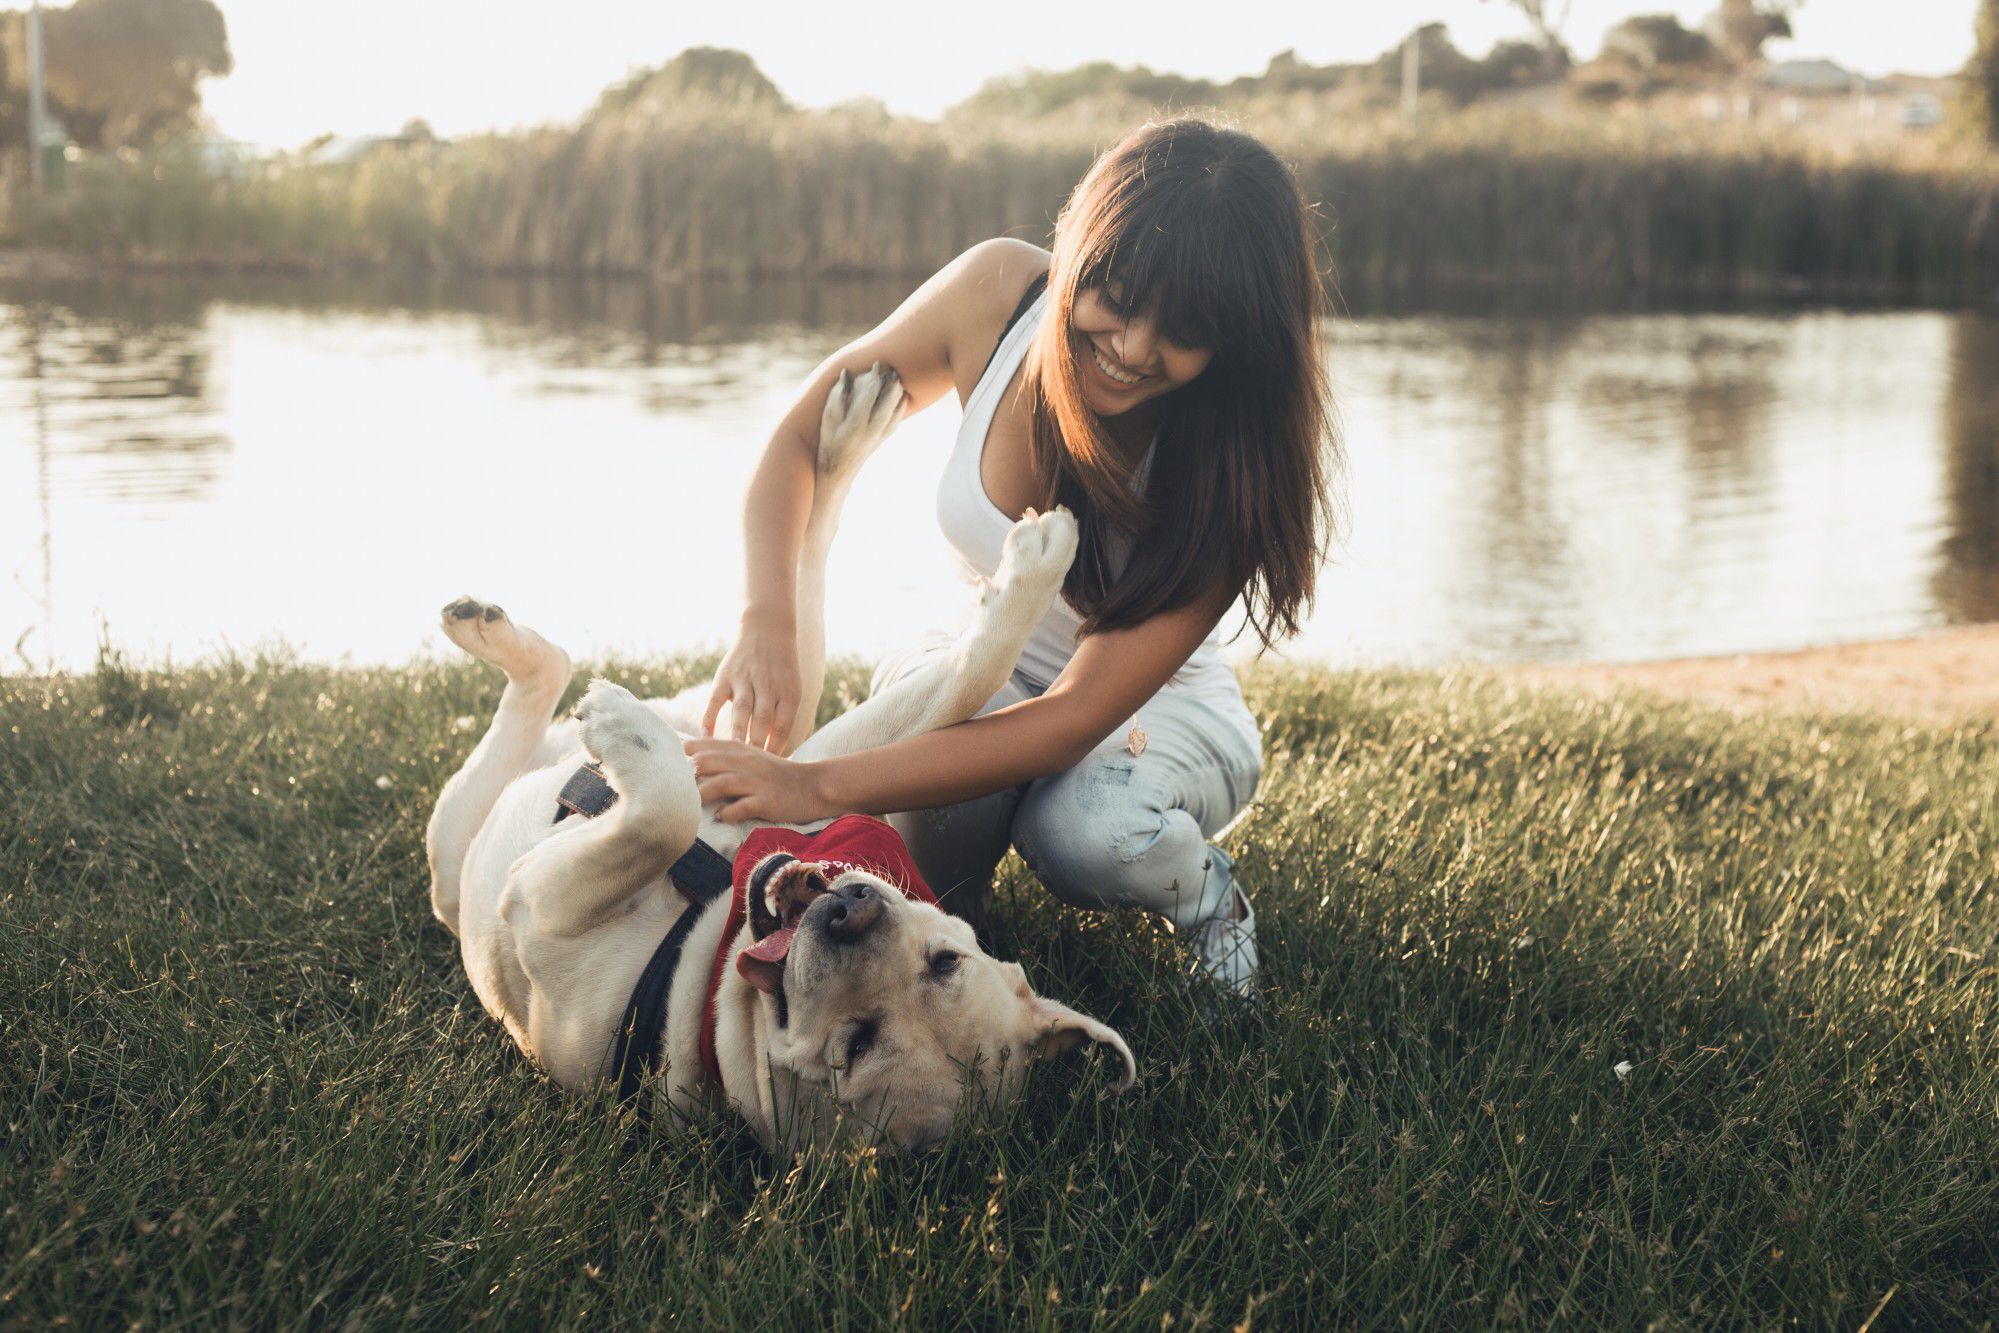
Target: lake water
[{"x": 191, "y": 466}]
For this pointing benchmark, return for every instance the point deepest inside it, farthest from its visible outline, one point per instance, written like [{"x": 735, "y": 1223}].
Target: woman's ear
[{"x": 1057, "y": 1027}]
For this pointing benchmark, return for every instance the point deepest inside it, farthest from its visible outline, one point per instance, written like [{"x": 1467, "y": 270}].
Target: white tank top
[{"x": 976, "y": 528}]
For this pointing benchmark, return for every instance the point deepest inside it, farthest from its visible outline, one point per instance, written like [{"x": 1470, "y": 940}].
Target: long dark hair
[{"x": 1204, "y": 229}]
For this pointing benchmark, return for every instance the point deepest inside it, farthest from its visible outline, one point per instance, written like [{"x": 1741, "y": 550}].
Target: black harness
[{"x": 702, "y": 876}]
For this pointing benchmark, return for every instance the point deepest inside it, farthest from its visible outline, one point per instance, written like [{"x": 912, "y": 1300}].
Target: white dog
[{"x": 824, "y": 998}]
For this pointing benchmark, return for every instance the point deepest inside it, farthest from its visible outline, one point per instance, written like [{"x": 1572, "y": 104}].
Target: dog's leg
[
  {"x": 859, "y": 415},
  {"x": 955, "y": 684},
  {"x": 576, "y": 879},
  {"x": 537, "y": 671}
]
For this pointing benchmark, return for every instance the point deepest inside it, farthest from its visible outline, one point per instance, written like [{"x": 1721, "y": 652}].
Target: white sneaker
[{"x": 1225, "y": 949}]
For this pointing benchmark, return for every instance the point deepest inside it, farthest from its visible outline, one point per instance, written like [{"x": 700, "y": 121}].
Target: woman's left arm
[{"x": 1112, "y": 673}]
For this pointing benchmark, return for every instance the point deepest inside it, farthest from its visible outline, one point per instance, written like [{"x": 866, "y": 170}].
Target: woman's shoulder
[
  {"x": 1001, "y": 270},
  {"x": 981, "y": 289},
  {"x": 993, "y": 277}
]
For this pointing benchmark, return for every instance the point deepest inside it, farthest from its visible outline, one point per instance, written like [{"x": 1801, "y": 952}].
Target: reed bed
[
  {"x": 1610, "y": 1014},
  {"x": 1469, "y": 198}
]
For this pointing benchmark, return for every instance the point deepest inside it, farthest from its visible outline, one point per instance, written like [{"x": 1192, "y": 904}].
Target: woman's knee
[{"x": 1093, "y": 853}]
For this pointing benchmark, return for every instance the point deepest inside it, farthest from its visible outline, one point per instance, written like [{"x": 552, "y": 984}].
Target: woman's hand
[
  {"x": 752, "y": 784},
  {"x": 761, "y": 679}
]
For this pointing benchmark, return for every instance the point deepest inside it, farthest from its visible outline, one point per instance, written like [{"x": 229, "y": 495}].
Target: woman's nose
[{"x": 1135, "y": 345}]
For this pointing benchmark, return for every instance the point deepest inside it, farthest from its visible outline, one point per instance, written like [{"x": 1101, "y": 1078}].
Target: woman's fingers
[
  {"x": 727, "y": 777},
  {"x": 721, "y": 787},
  {"x": 776, "y": 733},
  {"x": 762, "y": 723},
  {"x": 716, "y": 698},
  {"x": 739, "y": 714}
]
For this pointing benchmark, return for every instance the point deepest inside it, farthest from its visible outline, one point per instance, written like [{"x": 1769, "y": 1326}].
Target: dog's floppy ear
[{"x": 1057, "y": 1027}]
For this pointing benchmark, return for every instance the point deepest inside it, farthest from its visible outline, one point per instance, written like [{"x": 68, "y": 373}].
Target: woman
[{"x": 1160, "y": 375}]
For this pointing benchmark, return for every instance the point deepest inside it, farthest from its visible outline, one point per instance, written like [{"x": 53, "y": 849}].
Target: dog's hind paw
[{"x": 485, "y": 631}]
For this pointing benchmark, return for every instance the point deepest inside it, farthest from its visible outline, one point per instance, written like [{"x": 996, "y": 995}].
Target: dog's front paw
[
  {"x": 860, "y": 412},
  {"x": 1038, "y": 552}
]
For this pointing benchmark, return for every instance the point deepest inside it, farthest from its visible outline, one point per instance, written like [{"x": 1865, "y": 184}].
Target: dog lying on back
[{"x": 807, "y": 981}]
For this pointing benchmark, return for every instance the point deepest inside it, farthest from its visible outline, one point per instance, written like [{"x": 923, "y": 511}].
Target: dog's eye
[
  {"x": 943, "y": 963},
  {"x": 860, "y": 1043}
]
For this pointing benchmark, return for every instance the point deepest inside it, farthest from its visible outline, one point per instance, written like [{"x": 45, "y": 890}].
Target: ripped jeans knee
[{"x": 1097, "y": 842}]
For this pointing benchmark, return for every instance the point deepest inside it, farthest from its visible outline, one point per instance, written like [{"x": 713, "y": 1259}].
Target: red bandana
[{"x": 852, "y": 842}]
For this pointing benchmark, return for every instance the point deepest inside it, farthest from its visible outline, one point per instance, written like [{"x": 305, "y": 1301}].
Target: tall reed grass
[{"x": 1477, "y": 198}]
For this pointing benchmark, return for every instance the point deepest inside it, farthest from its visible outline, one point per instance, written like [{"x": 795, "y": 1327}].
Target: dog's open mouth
[{"x": 777, "y": 899}]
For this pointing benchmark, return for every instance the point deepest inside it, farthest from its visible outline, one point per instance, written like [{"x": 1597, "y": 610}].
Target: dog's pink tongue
[{"x": 762, "y": 964}]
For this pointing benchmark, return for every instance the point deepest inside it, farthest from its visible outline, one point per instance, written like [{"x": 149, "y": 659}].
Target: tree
[
  {"x": 1740, "y": 27},
  {"x": 1652, "y": 43},
  {"x": 127, "y": 73},
  {"x": 1452, "y": 73},
  {"x": 1547, "y": 18},
  {"x": 699, "y": 74}
]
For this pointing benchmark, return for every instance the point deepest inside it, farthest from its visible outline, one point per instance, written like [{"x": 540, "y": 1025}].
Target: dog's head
[{"x": 889, "y": 1008}]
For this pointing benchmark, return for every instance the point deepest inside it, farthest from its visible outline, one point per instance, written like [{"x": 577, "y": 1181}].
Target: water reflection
[
  {"x": 206, "y": 464},
  {"x": 120, "y": 403}
]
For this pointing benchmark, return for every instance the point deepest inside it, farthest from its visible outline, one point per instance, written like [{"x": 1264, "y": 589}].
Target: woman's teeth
[{"x": 1116, "y": 375}]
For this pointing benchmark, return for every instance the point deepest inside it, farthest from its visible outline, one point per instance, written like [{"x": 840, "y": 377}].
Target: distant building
[
  {"x": 1815, "y": 77},
  {"x": 341, "y": 148},
  {"x": 220, "y": 155}
]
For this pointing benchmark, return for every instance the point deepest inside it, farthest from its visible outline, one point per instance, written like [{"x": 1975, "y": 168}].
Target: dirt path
[{"x": 1949, "y": 675}]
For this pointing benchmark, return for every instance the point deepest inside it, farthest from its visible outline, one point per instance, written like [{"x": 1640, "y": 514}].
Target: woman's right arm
[{"x": 944, "y": 327}]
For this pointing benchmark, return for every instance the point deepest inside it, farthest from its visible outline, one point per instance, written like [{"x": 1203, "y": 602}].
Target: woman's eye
[{"x": 944, "y": 963}]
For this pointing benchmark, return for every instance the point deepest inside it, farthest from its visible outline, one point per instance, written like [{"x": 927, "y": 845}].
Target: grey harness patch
[{"x": 700, "y": 874}]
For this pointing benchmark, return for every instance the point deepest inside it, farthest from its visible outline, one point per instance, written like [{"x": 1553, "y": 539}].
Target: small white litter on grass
[
  {"x": 1622, "y": 1069},
  {"x": 463, "y": 724},
  {"x": 385, "y": 782}
]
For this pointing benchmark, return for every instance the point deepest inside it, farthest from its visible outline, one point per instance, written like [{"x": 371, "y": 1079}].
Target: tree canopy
[
  {"x": 700, "y": 73},
  {"x": 1740, "y": 27},
  {"x": 120, "y": 73}
]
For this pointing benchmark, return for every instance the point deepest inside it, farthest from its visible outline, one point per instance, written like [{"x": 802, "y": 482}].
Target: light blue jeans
[{"x": 1118, "y": 829}]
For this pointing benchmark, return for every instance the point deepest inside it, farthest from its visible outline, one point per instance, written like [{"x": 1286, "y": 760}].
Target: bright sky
[{"x": 366, "y": 66}]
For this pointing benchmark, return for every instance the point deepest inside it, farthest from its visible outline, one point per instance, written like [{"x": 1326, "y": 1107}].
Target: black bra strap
[{"x": 1027, "y": 300}]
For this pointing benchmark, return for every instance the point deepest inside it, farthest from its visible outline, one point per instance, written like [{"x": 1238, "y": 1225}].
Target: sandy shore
[{"x": 1950, "y": 675}]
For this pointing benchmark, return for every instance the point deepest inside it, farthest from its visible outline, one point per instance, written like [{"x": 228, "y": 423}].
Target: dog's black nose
[{"x": 856, "y": 907}]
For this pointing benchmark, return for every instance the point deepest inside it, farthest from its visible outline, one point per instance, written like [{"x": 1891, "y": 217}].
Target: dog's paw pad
[{"x": 483, "y": 630}]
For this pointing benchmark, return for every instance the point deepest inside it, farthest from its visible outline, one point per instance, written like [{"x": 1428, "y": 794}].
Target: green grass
[{"x": 244, "y": 1081}]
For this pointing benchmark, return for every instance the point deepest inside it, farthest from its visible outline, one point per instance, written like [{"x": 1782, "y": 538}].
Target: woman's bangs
[{"x": 1181, "y": 272}]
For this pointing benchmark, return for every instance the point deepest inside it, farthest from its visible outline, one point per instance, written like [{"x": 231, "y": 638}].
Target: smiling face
[
  {"x": 889, "y": 1007},
  {"x": 1123, "y": 356}
]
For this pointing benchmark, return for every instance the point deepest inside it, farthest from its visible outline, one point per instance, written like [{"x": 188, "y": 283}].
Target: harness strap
[
  {"x": 702, "y": 875},
  {"x": 643, "y": 1031}
]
